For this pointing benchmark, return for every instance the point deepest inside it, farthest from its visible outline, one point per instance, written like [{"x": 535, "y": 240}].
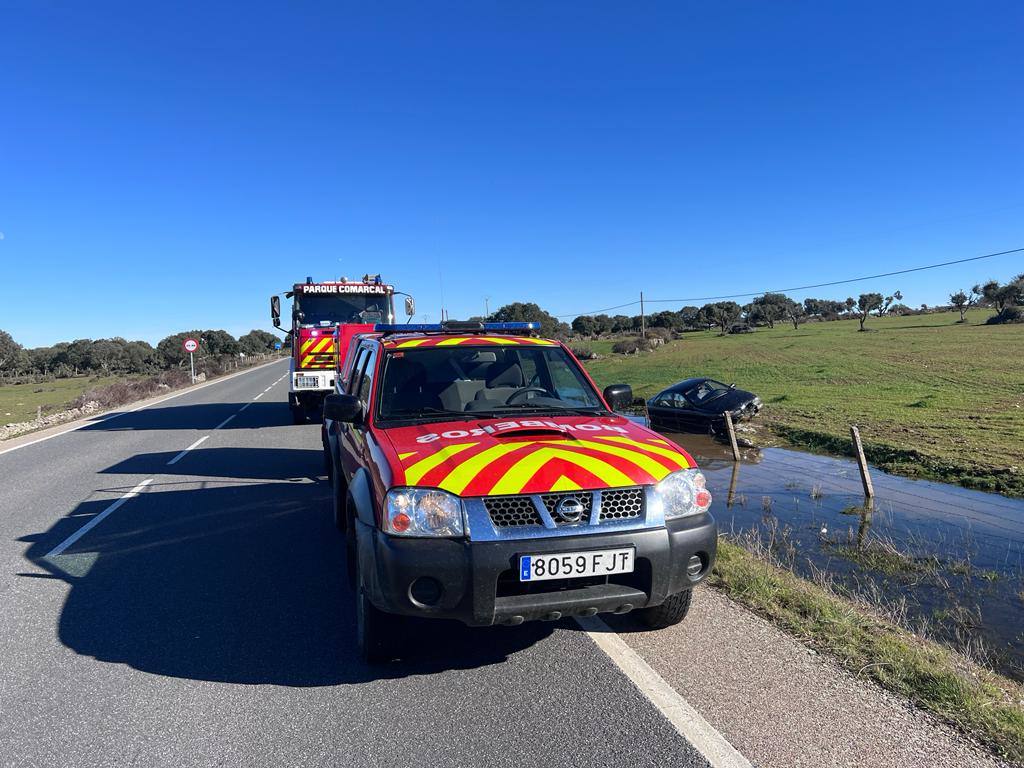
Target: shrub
[
  {"x": 1007, "y": 315},
  {"x": 631, "y": 346},
  {"x": 583, "y": 352}
]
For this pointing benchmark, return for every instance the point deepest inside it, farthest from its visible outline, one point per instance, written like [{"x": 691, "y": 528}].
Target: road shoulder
[{"x": 781, "y": 704}]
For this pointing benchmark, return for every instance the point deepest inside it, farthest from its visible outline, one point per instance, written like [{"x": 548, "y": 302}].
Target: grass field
[
  {"x": 933, "y": 397},
  {"x": 19, "y": 402}
]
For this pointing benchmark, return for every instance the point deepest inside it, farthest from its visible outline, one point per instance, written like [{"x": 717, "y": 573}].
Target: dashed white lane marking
[
  {"x": 90, "y": 422},
  {"x": 229, "y": 418},
  {"x": 715, "y": 748},
  {"x": 98, "y": 518},
  {"x": 181, "y": 455},
  {"x": 261, "y": 394}
]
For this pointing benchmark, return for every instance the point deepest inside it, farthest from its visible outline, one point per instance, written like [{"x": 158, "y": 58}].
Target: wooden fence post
[
  {"x": 858, "y": 449},
  {"x": 732, "y": 436}
]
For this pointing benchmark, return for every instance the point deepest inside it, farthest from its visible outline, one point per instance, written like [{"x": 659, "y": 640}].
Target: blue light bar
[{"x": 456, "y": 326}]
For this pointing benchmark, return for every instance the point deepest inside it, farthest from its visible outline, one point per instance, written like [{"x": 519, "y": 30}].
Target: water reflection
[{"x": 948, "y": 550}]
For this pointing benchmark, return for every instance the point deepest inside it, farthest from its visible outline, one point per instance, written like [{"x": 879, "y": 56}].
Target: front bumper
[{"x": 479, "y": 583}]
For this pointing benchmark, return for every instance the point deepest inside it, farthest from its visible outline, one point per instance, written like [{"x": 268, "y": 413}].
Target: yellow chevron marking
[
  {"x": 323, "y": 345},
  {"x": 411, "y": 343},
  {"x": 654, "y": 468},
  {"x": 564, "y": 484},
  {"x": 404, "y": 456},
  {"x": 668, "y": 453},
  {"x": 518, "y": 475},
  {"x": 415, "y": 472},
  {"x": 463, "y": 475}
]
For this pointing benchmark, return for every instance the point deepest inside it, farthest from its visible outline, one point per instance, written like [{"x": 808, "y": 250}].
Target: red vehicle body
[
  {"x": 481, "y": 476},
  {"x": 324, "y": 313}
]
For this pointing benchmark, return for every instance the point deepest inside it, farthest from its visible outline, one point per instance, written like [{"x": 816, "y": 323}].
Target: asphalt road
[{"x": 207, "y": 620}]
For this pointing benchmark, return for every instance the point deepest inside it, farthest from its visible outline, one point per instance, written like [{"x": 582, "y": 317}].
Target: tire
[
  {"x": 373, "y": 634},
  {"x": 669, "y": 613},
  {"x": 328, "y": 459},
  {"x": 339, "y": 501}
]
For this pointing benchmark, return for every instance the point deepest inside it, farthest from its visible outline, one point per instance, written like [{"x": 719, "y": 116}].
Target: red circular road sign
[{"x": 190, "y": 345}]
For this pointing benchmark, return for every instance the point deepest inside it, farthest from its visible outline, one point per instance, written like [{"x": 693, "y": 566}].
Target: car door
[{"x": 352, "y": 437}]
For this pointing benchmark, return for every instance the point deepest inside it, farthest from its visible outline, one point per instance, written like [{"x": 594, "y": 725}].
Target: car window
[
  {"x": 672, "y": 400},
  {"x": 367, "y": 378},
  {"x": 482, "y": 379},
  {"x": 706, "y": 391},
  {"x": 352, "y": 380}
]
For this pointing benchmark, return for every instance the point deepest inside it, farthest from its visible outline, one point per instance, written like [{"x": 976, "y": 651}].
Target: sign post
[{"x": 191, "y": 345}]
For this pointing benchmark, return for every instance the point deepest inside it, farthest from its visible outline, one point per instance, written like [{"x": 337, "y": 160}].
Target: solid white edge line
[
  {"x": 98, "y": 519},
  {"x": 109, "y": 416},
  {"x": 715, "y": 748},
  {"x": 178, "y": 458}
]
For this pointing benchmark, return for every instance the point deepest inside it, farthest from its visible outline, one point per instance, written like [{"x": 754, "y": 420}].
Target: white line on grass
[
  {"x": 59, "y": 549},
  {"x": 684, "y": 718},
  {"x": 181, "y": 455}
]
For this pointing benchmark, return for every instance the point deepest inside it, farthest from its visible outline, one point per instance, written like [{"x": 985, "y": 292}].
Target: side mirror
[
  {"x": 618, "y": 395},
  {"x": 347, "y": 408},
  {"x": 275, "y": 310},
  {"x": 410, "y": 306}
]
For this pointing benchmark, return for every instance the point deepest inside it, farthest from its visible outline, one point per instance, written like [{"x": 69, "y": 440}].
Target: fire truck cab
[{"x": 326, "y": 314}]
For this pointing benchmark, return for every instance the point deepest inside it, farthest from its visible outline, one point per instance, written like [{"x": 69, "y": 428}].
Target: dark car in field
[{"x": 700, "y": 405}]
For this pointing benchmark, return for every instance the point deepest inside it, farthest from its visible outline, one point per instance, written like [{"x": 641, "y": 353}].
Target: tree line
[{"x": 120, "y": 356}]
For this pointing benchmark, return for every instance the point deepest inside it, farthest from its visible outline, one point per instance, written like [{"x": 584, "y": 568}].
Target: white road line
[
  {"x": 685, "y": 719},
  {"x": 108, "y": 417},
  {"x": 181, "y": 455},
  {"x": 244, "y": 407},
  {"x": 59, "y": 549},
  {"x": 229, "y": 418},
  {"x": 261, "y": 394}
]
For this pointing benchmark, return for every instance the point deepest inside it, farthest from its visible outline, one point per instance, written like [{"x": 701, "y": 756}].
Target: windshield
[
  {"x": 482, "y": 381},
  {"x": 706, "y": 391},
  {"x": 347, "y": 308}
]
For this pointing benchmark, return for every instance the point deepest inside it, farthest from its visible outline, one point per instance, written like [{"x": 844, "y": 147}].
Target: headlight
[
  {"x": 423, "y": 512},
  {"x": 684, "y": 493}
]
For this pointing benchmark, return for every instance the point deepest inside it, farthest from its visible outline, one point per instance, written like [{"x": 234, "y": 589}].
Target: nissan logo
[{"x": 570, "y": 510}]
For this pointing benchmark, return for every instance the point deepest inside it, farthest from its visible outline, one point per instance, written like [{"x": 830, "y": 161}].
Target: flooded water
[{"x": 956, "y": 556}]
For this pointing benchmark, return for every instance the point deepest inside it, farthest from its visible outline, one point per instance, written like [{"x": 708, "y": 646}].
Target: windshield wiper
[{"x": 427, "y": 410}]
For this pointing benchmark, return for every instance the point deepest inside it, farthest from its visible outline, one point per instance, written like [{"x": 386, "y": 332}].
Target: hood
[
  {"x": 491, "y": 457},
  {"x": 730, "y": 400}
]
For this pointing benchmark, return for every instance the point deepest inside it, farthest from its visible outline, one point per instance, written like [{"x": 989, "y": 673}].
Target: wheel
[
  {"x": 373, "y": 631},
  {"x": 339, "y": 499},
  {"x": 669, "y": 613},
  {"x": 328, "y": 460}
]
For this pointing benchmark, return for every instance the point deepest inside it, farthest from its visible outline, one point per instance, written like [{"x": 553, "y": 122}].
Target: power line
[{"x": 805, "y": 287}]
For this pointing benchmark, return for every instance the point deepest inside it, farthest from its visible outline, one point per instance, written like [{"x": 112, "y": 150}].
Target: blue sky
[{"x": 166, "y": 167}]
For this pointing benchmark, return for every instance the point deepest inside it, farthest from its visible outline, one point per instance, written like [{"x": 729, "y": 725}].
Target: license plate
[
  {"x": 307, "y": 381},
  {"x": 573, "y": 565}
]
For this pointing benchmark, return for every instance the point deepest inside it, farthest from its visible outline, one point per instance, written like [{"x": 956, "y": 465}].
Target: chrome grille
[
  {"x": 512, "y": 511},
  {"x": 551, "y": 501},
  {"x": 620, "y": 503}
]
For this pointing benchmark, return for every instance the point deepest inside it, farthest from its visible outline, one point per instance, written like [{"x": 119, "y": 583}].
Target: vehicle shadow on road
[
  {"x": 228, "y": 462},
  {"x": 239, "y": 584},
  {"x": 196, "y": 416}
]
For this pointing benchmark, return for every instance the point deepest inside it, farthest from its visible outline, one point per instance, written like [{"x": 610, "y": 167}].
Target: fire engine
[{"x": 325, "y": 317}]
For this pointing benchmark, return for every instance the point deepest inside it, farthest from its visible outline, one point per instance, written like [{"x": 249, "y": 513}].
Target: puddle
[{"x": 955, "y": 555}]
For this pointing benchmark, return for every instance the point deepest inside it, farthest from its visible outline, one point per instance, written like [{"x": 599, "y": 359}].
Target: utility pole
[
  {"x": 487, "y": 306},
  {"x": 643, "y": 320}
]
